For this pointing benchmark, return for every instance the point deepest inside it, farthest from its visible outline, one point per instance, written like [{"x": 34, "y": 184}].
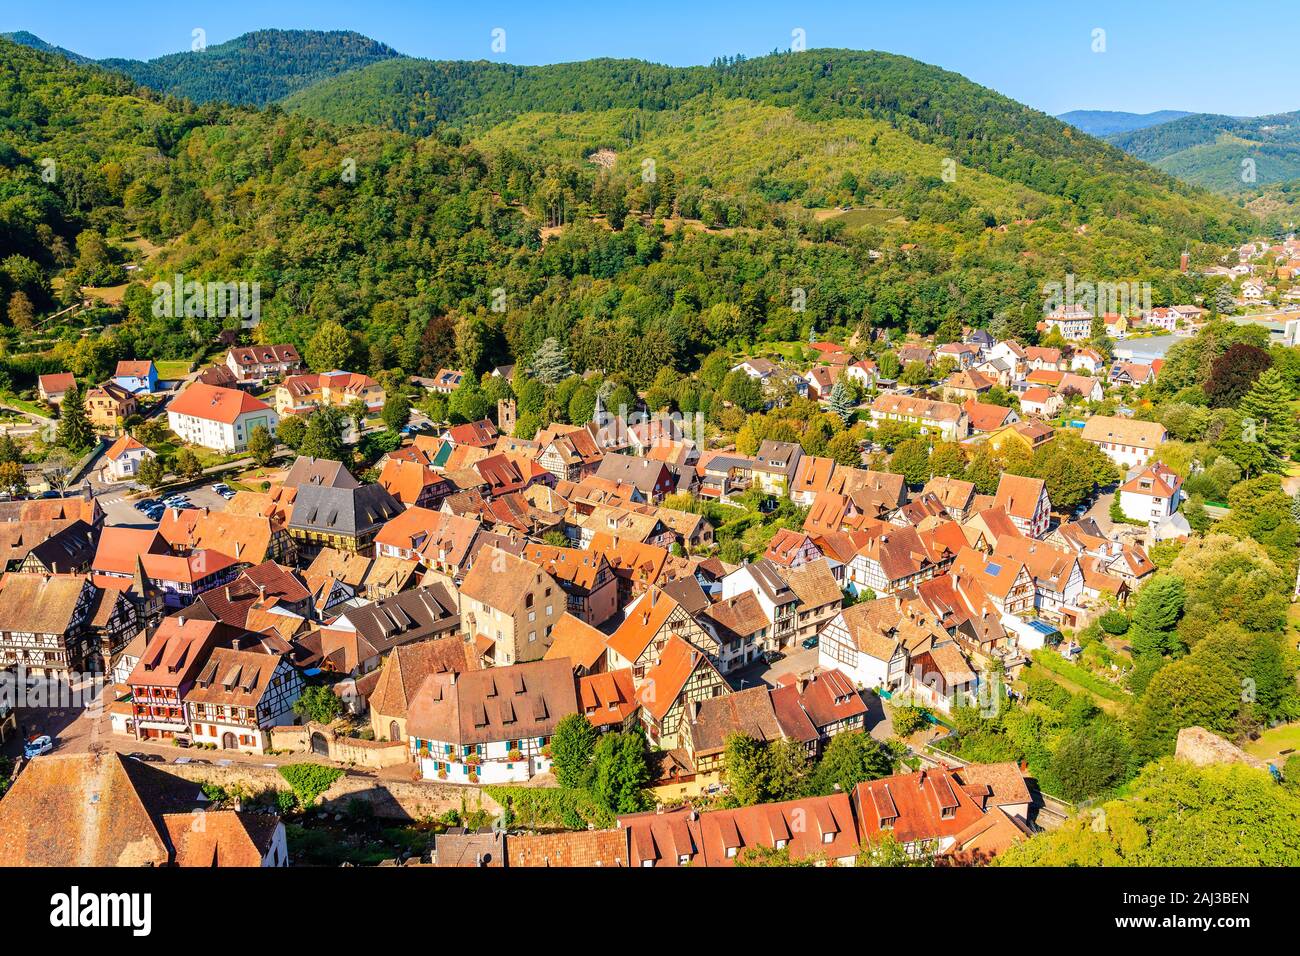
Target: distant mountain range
[
  {"x": 1102, "y": 123},
  {"x": 254, "y": 69},
  {"x": 1228, "y": 154}
]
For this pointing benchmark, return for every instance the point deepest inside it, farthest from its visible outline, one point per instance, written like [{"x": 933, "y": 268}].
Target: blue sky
[{"x": 1158, "y": 55}]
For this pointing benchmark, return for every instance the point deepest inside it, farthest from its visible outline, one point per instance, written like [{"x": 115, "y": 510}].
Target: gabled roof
[
  {"x": 665, "y": 681},
  {"x": 214, "y": 403},
  {"x": 407, "y": 667},
  {"x": 341, "y": 510},
  {"x": 124, "y": 444},
  {"x": 499, "y": 579},
  {"x": 641, "y": 623},
  {"x": 608, "y": 699},
  {"x": 39, "y": 603},
  {"x": 233, "y": 678},
  {"x": 318, "y": 471},
  {"x": 1124, "y": 431},
  {"x": 747, "y": 712},
  {"x": 501, "y": 703},
  {"x": 1019, "y": 495},
  {"x": 575, "y": 640}
]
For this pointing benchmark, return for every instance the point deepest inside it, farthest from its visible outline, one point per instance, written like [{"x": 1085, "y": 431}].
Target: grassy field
[
  {"x": 1271, "y": 743},
  {"x": 171, "y": 369},
  {"x": 857, "y": 218},
  {"x": 1075, "y": 678}
]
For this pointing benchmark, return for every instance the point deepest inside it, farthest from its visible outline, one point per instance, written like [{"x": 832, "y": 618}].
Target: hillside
[
  {"x": 255, "y": 69},
  {"x": 975, "y": 126},
  {"x": 1109, "y": 122},
  {"x": 1209, "y": 150},
  {"x": 406, "y": 253},
  {"x": 36, "y": 43}
]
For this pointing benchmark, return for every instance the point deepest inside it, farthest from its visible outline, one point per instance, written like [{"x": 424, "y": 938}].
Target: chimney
[{"x": 920, "y": 780}]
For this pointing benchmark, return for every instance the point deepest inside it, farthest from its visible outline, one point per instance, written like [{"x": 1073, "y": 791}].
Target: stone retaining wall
[{"x": 393, "y": 799}]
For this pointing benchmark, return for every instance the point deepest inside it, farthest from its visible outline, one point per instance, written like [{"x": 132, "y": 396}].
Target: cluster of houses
[
  {"x": 220, "y": 408},
  {"x": 957, "y": 817},
  {"x": 484, "y": 587},
  {"x": 1265, "y": 271}
]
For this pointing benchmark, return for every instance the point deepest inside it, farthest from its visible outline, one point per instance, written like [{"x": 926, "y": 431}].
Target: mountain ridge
[{"x": 1102, "y": 123}]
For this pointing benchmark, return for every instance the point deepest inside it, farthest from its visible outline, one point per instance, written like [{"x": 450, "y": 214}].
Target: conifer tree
[{"x": 74, "y": 432}]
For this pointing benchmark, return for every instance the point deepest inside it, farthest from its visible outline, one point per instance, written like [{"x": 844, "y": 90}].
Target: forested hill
[
  {"x": 255, "y": 69},
  {"x": 972, "y": 124},
  {"x": 403, "y": 239},
  {"x": 1208, "y": 150},
  {"x": 36, "y": 43}
]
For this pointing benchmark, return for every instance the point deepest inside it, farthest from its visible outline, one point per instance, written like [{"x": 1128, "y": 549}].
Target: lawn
[
  {"x": 1271, "y": 743},
  {"x": 171, "y": 369}
]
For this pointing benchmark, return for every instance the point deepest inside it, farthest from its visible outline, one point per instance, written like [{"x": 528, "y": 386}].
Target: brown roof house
[
  {"x": 239, "y": 696},
  {"x": 490, "y": 726},
  {"x": 107, "y": 810},
  {"x": 710, "y": 722},
  {"x": 511, "y": 603},
  {"x": 402, "y": 673}
]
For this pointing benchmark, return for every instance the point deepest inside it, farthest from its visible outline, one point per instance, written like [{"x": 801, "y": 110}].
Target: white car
[{"x": 36, "y": 746}]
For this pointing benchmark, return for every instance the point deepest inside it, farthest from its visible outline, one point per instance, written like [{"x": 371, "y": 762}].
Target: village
[{"x": 437, "y": 622}]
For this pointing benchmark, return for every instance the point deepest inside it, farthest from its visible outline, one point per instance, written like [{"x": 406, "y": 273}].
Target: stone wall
[
  {"x": 372, "y": 754},
  {"x": 393, "y": 799}
]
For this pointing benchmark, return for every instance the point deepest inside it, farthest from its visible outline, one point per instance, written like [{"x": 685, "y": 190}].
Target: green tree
[
  {"x": 187, "y": 464},
  {"x": 911, "y": 459},
  {"x": 12, "y": 478},
  {"x": 1266, "y": 409},
  {"x": 397, "y": 412},
  {"x": 850, "y": 758},
  {"x": 841, "y": 401},
  {"x": 620, "y": 772},
  {"x": 261, "y": 445},
  {"x": 573, "y": 745},
  {"x": 550, "y": 363},
  {"x": 1155, "y": 615},
  {"x": 1181, "y": 694},
  {"x": 318, "y": 704},
  {"x": 323, "y": 437},
  {"x": 1178, "y": 814},
  {"x": 74, "y": 432},
  {"x": 747, "y": 769},
  {"x": 330, "y": 348},
  {"x": 291, "y": 430},
  {"x": 1090, "y": 760},
  {"x": 151, "y": 472}
]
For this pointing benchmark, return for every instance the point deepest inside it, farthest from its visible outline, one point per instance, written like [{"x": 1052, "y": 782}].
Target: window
[
  {"x": 828, "y": 837},
  {"x": 731, "y": 852}
]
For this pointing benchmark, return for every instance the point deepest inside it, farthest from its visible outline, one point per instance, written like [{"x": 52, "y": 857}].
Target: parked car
[
  {"x": 810, "y": 642},
  {"x": 35, "y": 746},
  {"x": 146, "y": 758},
  {"x": 772, "y": 656}
]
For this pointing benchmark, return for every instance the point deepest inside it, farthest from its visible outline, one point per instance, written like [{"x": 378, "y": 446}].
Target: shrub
[
  {"x": 309, "y": 780},
  {"x": 1114, "y": 622},
  {"x": 908, "y": 720}
]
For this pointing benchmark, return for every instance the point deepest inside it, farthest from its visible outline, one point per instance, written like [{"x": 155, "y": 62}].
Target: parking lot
[{"x": 119, "y": 501}]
